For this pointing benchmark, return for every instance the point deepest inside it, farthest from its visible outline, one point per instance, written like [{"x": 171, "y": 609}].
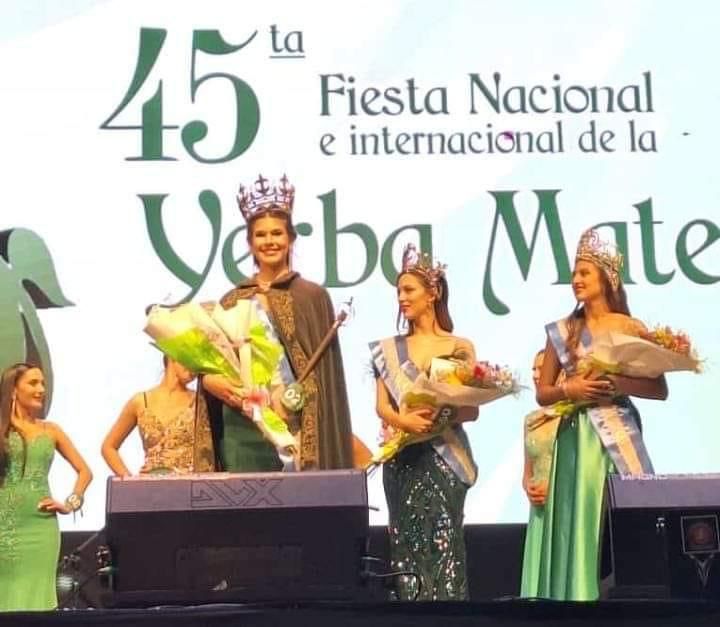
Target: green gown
[
  {"x": 29, "y": 539},
  {"x": 539, "y": 445},
  {"x": 425, "y": 487},
  {"x": 569, "y": 564},
  {"x": 570, "y": 551},
  {"x": 300, "y": 314}
]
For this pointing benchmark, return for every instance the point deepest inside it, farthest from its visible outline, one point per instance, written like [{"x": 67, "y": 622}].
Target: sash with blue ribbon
[
  {"x": 393, "y": 365},
  {"x": 617, "y": 424}
]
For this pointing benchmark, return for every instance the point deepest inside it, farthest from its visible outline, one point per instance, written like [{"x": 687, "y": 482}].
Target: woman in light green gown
[
  {"x": 601, "y": 434},
  {"x": 29, "y": 535},
  {"x": 539, "y": 430}
]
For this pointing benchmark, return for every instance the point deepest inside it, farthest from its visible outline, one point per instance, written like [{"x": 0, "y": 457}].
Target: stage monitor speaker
[
  {"x": 237, "y": 537},
  {"x": 662, "y": 536}
]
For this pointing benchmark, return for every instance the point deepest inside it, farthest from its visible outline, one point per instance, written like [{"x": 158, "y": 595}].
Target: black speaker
[
  {"x": 237, "y": 537},
  {"x": 662, "y": 536}
]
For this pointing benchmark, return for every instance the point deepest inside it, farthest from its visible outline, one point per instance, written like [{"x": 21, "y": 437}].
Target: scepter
[{"x": 293, "y": 397}]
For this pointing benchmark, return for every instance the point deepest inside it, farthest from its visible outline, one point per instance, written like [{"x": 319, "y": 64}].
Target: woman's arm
[
  {"x": 224, "y": 390},
  {"x": 547, "y": 392},
  {"x": 466, "y": 414},
  {"x": 126, "y": 422},
  {"x": 67, "y": 449},
  {"x": 582, "y": 387},
  {"x": 416, "y": 421},
  {"x": 655, "y": 389}
]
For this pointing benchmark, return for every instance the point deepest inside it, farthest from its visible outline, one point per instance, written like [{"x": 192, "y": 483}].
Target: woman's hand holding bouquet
[{"x": 431, "y": 405}]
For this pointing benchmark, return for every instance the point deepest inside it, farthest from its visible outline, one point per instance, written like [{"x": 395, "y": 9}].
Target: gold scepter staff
[{"x": 293, "y": 397}]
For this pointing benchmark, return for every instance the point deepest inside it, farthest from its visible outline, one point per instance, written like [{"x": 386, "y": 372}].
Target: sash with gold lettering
[
  {"x": 393, "y": 365},
  {"x": 617, "y": 425}
]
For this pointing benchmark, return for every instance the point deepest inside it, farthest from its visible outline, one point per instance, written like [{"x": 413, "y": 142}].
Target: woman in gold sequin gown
[
  {"x": 29, "y": 534},
  {"x": 173, "y": 425},
  {"x": 426, "y": 483}
]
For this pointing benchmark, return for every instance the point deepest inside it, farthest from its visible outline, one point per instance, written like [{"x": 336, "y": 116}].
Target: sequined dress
[
  {"x": 425, "y": 487},
  {"x": 29, "y": 539},
  {"x": 425, "y": 506},
  {"x": 177, "y": 443}
]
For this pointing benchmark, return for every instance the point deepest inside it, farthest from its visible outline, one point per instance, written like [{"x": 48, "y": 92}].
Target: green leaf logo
[{"x": 28, "y": 282}]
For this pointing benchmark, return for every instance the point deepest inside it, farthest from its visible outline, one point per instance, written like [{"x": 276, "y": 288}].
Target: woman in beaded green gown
[
  {"x": 29, "y": 534},
  {"x": 601, "y": 434},
  {"x": 540, "y": 427},
  {"x": 426, "y": 483}
]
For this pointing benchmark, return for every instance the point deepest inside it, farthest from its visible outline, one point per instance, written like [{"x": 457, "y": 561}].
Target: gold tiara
[
  {"x": 419, "y": 262},
  {"x": 261, "y": 197},
  {"x": 604, "y": 255}
]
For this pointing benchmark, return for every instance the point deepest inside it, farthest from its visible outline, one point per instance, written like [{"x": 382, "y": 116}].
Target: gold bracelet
[{"x": 74, "y": 502}]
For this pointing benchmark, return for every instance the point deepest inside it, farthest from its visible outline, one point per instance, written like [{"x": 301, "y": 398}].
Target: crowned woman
[
  {"x": 425, "y": 483},
  {"x": 600, "y": 435},
  {"x": 298, "y": 314}
]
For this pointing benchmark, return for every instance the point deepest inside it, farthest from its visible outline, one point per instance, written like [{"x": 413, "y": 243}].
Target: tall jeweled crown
[
  {"x": 261, "y": 196},
  {"x": 419, "y": 262},
  {"x": 603, "y": 254}
]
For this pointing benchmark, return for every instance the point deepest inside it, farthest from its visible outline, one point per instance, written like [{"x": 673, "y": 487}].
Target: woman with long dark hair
[
  {"x": 298, "y": 314},
  {"x": 425, "y": 484},
  {"x": 29, "y": 534},
  {"x": 601, "y": 435},
  {"x": 173, "y": 425}
]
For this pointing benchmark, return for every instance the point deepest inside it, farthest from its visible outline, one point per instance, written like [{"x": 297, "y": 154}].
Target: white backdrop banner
[{"x": 492, "y": 134}]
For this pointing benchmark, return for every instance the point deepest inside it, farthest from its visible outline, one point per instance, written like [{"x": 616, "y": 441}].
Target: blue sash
[
  {"x": 392, "y": 363},
  {"x": 617, "y": 425}
]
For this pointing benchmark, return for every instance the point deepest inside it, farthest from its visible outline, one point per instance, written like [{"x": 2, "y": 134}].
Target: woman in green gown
[
  {"x": 540, "y": 428},
  {"x": 29, "y": 534},
  {"x": 426, "y": 483},
  {"x": 602, "y": 433},
  {"x": 298, "y": 314}
]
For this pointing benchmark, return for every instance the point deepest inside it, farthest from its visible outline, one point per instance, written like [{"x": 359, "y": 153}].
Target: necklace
[{"x": 263, "y": 285}]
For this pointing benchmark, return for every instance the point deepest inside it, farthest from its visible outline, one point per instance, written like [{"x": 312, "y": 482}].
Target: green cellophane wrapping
[{"x": 193, "y": 350}]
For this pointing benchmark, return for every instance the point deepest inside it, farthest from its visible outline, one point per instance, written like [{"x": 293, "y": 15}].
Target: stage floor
[{"x": 509, "y": 613}]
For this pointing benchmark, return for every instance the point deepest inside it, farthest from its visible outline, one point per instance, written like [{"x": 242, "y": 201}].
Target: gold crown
[
  {"x": 603, "y": 254},
  {"x": 262, "y": 197},
  {"x": 421, "y": 263}
]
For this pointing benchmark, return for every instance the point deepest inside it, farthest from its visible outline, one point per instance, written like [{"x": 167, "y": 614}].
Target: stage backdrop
[{"x": 489, "y": 133}]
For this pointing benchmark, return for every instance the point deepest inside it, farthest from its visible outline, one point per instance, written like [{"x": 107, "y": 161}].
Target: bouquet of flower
[
  {"x": 206, "y": 344},
  {"x": 450, "y": 384},
  {"x": 649, "y": 355},
  {"x": 188, "y": 334}
]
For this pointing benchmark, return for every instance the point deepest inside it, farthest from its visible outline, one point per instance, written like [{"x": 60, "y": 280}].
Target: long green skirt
[
  {"x": 243, "y": 448},
  {"x": 569, "y": 552},
  {"x": 29, "y": 539},
  {"x": 533, "y": 552},
  {"x": 425, "y": 505}
]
